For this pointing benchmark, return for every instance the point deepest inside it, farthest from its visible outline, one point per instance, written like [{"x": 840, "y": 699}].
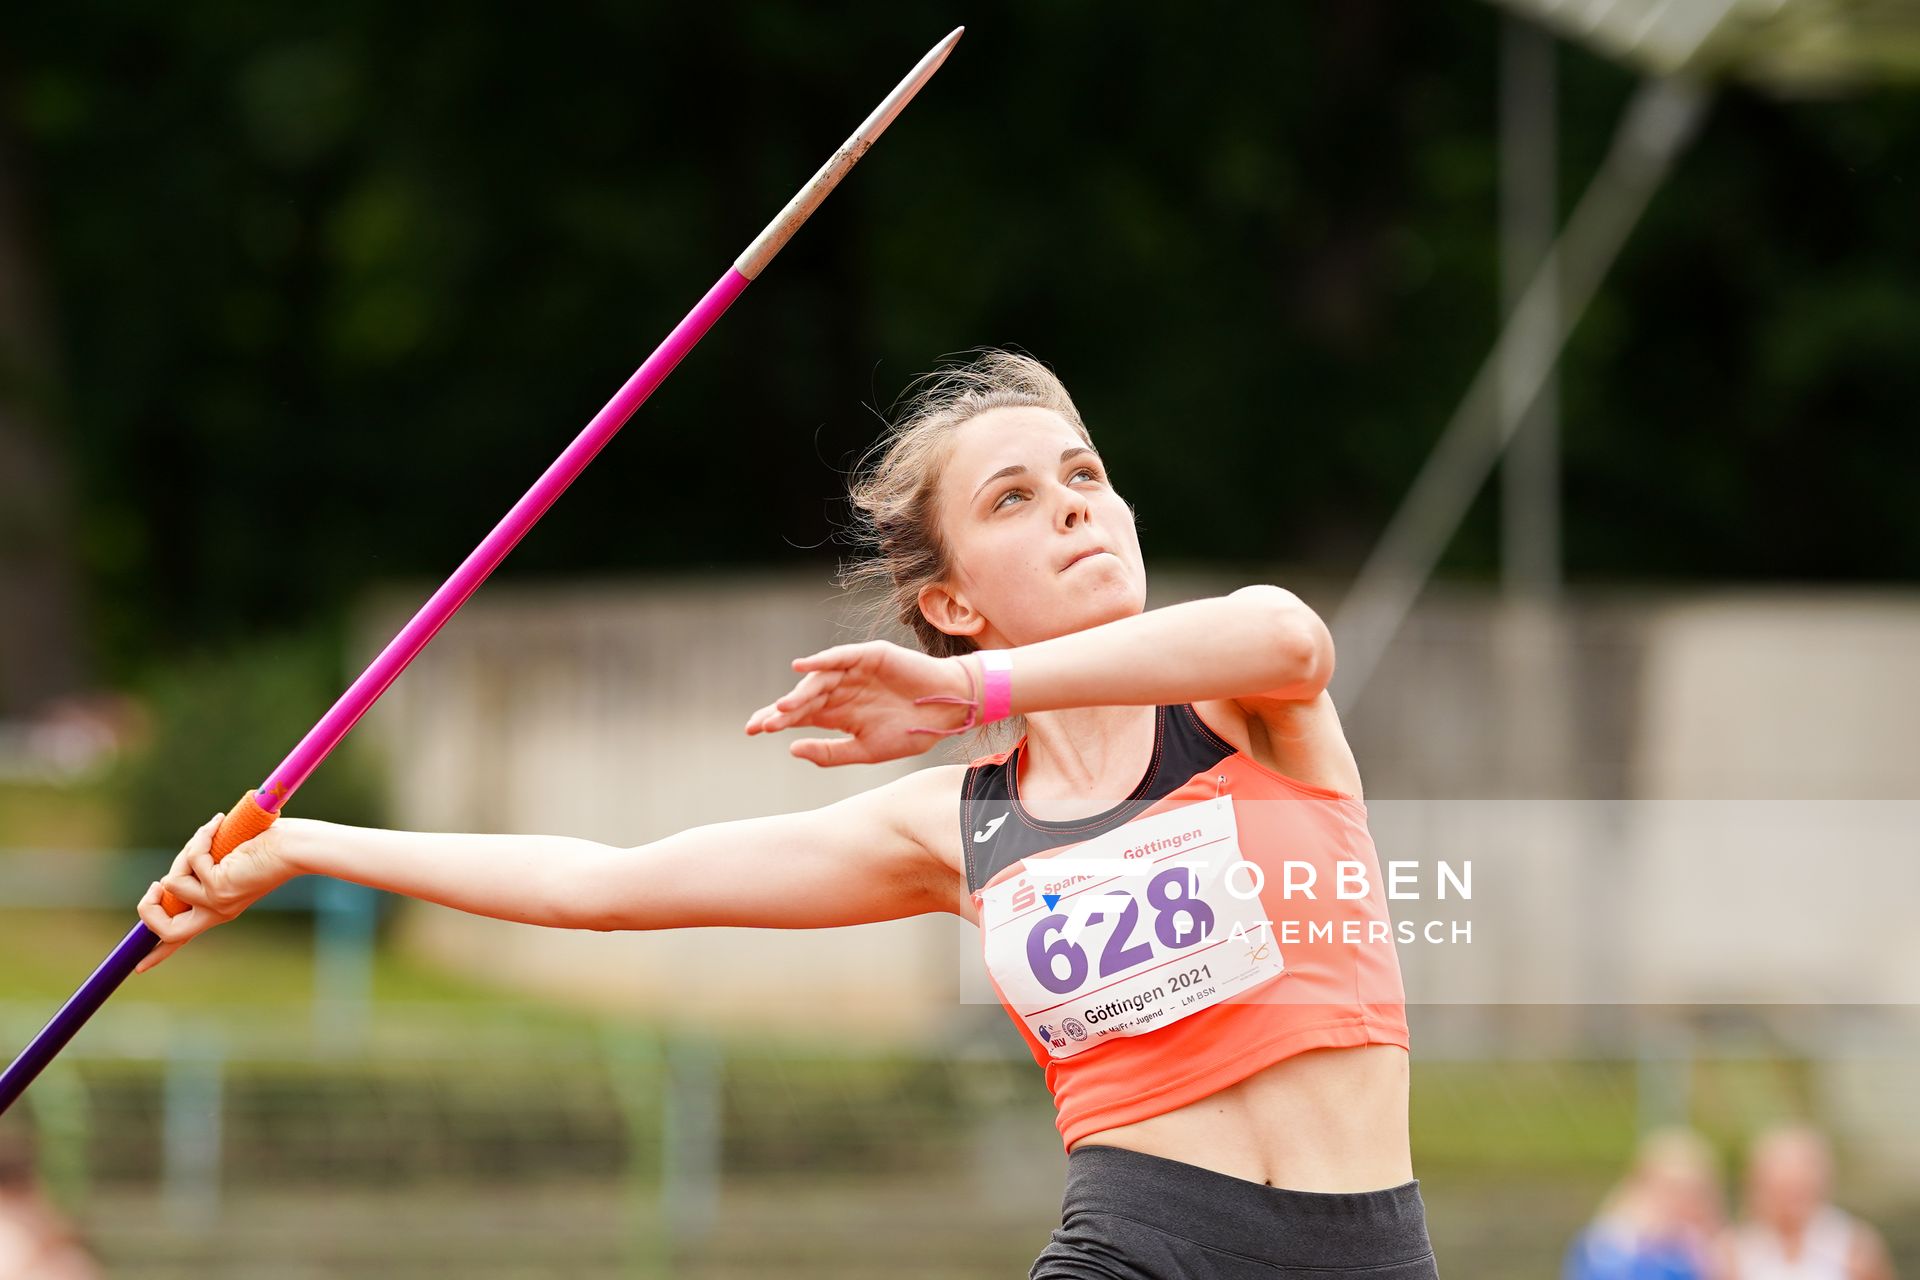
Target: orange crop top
[{"x": 1219, "y": 919}]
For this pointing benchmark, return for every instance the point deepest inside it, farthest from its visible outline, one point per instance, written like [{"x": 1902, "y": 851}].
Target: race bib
[{"x": 1129, "y": 931}]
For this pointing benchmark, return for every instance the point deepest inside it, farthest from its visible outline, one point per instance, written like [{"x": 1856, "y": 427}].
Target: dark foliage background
[{"x": 330, "y": 285}]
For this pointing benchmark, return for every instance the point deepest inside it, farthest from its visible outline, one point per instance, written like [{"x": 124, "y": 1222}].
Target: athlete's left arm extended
[{"x": 1260, "y": 644}]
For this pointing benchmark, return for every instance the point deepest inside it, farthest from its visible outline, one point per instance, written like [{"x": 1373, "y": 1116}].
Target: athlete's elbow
[
  {"x": 619, "y": 917},
  {"x": 594, "y": 914},
  {"x": 603, "y": 894},
  {"x": 1292, "y": 637},
  {"x": 1315, "y": 654}
]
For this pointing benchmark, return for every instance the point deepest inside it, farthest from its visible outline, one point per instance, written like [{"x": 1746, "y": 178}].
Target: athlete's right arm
[
  {"x": 872, "y": 856},
  {"x": 869, "y": 857}
]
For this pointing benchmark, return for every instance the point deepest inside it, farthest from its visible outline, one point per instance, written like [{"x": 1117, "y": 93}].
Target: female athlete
[{"x": 1178, "y": 901}]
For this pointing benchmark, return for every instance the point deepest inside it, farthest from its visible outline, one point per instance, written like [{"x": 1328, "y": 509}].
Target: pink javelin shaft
[
  {"x": 473, "y": 571},
  {"x": 364, "y": 692}
]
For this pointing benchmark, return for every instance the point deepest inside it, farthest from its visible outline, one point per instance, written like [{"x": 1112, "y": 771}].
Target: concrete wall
[
  {"x": 614, "y": 712},
  {"x": 1508, "y": 735}
]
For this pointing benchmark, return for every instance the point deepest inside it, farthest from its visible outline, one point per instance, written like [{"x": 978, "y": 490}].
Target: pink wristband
[
  {"x": 996, "y": 671},
  {"x": 971, "y": 702}
]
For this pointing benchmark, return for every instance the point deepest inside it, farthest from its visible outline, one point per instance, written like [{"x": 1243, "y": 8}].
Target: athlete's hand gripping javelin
[
  {"x": 215, "y": 892},
  {"x": 877, "y": 693}
]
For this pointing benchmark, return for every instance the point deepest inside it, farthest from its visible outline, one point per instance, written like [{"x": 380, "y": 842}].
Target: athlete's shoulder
[
  {"x": 924, "y": 803},
  {"x": 1304, "y": 741},
  {"x": 932, "y": 790},
  {"x": 915, "y": 812},
  {"x": 914, "y": 805},
  {"x": 933, "y": 778}
]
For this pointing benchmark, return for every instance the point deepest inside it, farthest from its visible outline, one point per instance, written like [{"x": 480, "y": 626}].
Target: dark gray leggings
[{"x": 1126, "y": 1215}]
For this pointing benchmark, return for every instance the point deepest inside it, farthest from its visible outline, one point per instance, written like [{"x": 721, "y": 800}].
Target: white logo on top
[{"x": 981, "y": 837}]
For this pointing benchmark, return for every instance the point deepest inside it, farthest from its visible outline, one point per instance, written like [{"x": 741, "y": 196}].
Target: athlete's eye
[{"x": 1086, "y": 471}]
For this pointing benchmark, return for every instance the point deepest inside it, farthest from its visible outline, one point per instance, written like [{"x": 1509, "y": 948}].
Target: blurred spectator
[
  {"x": 35, "y": 1242},
  {"x": 1788, "y": 1229},
  {"x": 1661, "y": 1221}
]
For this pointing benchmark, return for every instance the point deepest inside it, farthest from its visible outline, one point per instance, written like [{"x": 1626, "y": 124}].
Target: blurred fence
[
  {"x": 263, "y": 1137},
  {"x": 238, "y": 1143},
  {"x": 243, "y": 1144},
  {"x": 254, "y": 1138}
]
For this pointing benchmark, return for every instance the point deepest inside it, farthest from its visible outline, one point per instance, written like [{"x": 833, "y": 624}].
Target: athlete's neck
[{"x": 1085, "y": 753}]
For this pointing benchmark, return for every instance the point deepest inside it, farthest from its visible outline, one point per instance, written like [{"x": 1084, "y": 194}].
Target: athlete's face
[{"x": 1022, "y": 502}]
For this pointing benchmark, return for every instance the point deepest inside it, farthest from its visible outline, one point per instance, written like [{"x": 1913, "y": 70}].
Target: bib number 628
[{"x": 1179, "y": 920}]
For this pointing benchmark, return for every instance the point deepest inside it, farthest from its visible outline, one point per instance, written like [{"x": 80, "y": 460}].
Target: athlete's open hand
[
  {"x": 867, "y": 691},
  {"x": 215, "y": 892}
]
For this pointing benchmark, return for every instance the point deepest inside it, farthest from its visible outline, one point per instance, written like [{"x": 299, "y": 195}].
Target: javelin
[{"x": 256, "y": 810}]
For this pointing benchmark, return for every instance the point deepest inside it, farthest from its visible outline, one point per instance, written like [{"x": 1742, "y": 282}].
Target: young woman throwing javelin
[{"x": 1178, "y": 901}]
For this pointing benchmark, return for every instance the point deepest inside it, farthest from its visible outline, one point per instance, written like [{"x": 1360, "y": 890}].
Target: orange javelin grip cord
[{"x": 245, "y": 820}]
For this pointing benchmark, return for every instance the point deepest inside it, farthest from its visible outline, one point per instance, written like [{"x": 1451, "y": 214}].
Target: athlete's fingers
[
  {"x": 180, "y": 862},
  {"x": 188, "y": 890},
  {"x": 802, "y": 699},
  {"x": 173, "y": 929},
  {"x": 151, "y": 899},
  {"x": 825, "y": 660},
  {"x": 757, "y": 722},
  {"x": 828, "y": 752},
  {"x": 200, "y": 841},
  {"x": 203, "y": 838},
  {"x": 840, "y": 656},
  {"x": 799, "y": 707},
  {"x": 770, "y": 719},
  {"x": 216, "y": 882},
  {"x": 814, "y": 685},
  {"x": 156, "y": 956},
  {"x": 810, "y": 713},
  {"x": 155, "y": 917}
]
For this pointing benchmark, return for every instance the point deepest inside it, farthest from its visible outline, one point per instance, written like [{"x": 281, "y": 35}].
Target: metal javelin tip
[{"x": 774, "y": 238}]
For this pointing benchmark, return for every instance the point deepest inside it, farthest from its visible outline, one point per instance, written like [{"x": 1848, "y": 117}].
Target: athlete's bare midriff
[
  {"x": 1322, "y": 1120},
  {"x": 1332, "y": 1119}
]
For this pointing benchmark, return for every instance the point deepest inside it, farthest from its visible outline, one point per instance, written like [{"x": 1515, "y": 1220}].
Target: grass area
[
  {"x": 847, "y": 1229},
  {"x": 937, "y": 1225},
  {"x": 261, "y": 960},
  {"x": 1534, "y": 1114},
  {"x": 40, "y": 816},
  {"x": 515, "y": 1142}
]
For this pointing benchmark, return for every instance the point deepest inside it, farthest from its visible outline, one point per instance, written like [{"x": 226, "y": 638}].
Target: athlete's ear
[{"x": 950, "y": 613}]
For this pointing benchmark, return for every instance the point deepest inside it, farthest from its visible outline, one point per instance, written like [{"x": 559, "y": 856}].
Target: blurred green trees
[
  {"x": 221, "y": 719},
  {"x": 333, "y": 284}
]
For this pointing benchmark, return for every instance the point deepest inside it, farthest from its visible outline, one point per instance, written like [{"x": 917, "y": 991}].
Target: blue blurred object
[{"x": 1603, "y": 1253}]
